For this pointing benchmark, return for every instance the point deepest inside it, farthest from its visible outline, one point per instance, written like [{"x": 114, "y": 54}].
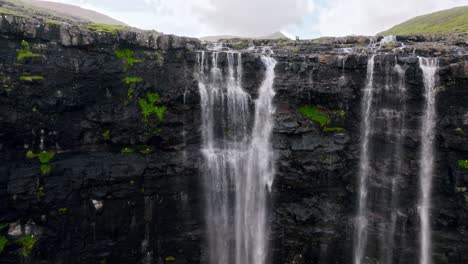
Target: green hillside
[{"x": 446, "y": 21}]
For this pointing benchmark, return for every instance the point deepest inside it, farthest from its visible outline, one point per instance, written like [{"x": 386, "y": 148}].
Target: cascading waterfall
[
  {"x": 239, "y": 165},
  {"x": 361, "y": 220},
  {"x": 383, "y": 110},
  {"x": 426, "y": 171}
]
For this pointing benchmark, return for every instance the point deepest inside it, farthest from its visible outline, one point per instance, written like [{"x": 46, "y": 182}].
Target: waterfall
[
  {"x": 383, "y": 111},
  {"x": 426, "y": 171},
  {"x": 361, "y": 220},
  {"x": 238, "y": 169}
]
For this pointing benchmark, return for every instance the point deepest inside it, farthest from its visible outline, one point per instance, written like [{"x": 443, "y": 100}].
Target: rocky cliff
[{"x": 100, "y": 145}]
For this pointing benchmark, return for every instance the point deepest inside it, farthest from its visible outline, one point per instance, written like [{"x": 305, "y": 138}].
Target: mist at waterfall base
[{"x": 239, "y": 163}]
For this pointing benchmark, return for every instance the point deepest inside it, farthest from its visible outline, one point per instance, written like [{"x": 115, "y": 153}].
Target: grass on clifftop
[
  {"x": 442, "y": 22},
  {"x": 104, "y": 28}
]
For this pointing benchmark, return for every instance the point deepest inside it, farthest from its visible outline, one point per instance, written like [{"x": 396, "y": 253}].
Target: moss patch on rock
[
  {"x": 31, "y": 78},
  {"x": 25, "y": 51}
]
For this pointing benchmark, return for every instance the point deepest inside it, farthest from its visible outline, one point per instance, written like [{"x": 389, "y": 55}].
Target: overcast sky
[{"x": 304, "y": 18}]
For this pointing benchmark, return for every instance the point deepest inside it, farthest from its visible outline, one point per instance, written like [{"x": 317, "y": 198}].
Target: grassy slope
[{"x": 446, "y": 21}]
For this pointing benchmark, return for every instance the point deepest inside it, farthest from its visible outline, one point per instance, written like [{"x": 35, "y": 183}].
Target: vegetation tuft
[
  {"x": 27, "y": 244},
  {"x": 148, "y": 106},
  {"x": 129, "y": 80},
  {"x": 315, "y": 114},
  {"x": 127, "y": 56},
  {"x": 25, "y": 51},
  {"x": 463, "y": 164},
  {"x": 44, "y": 158}
]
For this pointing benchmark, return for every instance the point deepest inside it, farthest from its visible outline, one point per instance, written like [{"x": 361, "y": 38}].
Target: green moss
[
  {"x": 169, "y": 258},
  {"x": 3, "y": 226},
  {"x": 463, "y": 164},
  {"x": 340, "y": 113},
  {"x": 333, "y": 129},
  {"x": 105, "y": 28},
  {"x": 31, "y": 78},
  {"x": 106, "y": 135},
  {"x": 25, "y": 51},
  {"x": 148, "y": 106},
  {"x": 129, "y": 80},
  {"x": 159, "y": 58},
  {"x": 53, "y": 22},
  {"x": 127, "y": 56},
  {"x": 63, "y": 210},
  {"x": 315, "y": 114},
  {"x": 146, "y": 151},
  {"x": 40, "y": 193},
  {"x": 127, "y": 150},
  {"x": 3, "y": 242},
  {"x": 46, "y": 169},
  {"x": 442, "y": 22},
  {"x": 4, "y": 11},
  {"x": 30, "y": 155},
  {"x": 26, "y": 243},
  {"x": 45, "y": 156},
  {"x": 130, "y": 94}
]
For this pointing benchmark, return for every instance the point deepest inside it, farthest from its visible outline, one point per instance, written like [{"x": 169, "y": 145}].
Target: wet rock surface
[{"x": 98, "y": 203}]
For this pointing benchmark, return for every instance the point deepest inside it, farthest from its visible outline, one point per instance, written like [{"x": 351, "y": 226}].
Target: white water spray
[
  {"x": 239, "y": 165},
  {"x": 426, "y": 170},
  {"x": 361, "y": 219}
]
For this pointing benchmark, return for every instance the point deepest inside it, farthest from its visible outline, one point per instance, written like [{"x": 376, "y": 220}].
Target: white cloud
[
  {"x": 204, "y": 17},
  {"x": 306, "y": 18},
  {"x": 368, "y": 17}
]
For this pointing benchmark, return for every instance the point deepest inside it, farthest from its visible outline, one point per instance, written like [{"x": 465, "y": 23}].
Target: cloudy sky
[{"x": 304, "y": 18}]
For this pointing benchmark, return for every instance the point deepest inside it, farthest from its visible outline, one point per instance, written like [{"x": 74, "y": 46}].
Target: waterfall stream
[
  {"x": 238, "y": 163},
  {"x": 426, "y": 163},
  {"x": 361, "y": 221},
  {"x": 383, "y": 113}
]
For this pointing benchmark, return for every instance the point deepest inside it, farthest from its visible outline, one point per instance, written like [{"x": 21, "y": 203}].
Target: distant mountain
[
  {"x": 75, "y": 11},
  {"x": 276, "y": 35},
  {"x": 442, "y": 22}
]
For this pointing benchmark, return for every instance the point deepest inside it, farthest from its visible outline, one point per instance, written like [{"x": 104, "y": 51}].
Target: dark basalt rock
[{"x": 99, "y": 204}]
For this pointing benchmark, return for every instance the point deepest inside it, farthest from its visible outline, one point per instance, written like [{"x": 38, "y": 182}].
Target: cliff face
[{"x": 123, "y": 187}]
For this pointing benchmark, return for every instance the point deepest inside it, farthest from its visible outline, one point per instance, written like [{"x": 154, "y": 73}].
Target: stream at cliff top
[{"x": 239, "y": 170}]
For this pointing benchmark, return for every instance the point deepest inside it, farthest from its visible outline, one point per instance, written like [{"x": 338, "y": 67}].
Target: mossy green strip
[
  {"x": 129, "y": 80},
  {"x": 31, "y": 78},
  {"x": 315, "y": 114},
  {"x": 463, "y": 164},
  {"x": 106, "y": 135},
  {"x": 127, "y": 150},
  {"x": 333, "y": 129},
  {"x": 3, "y": 242}
]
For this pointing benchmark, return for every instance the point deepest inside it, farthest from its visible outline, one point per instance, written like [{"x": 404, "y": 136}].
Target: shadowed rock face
[{"x": 100, "y": 204}]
